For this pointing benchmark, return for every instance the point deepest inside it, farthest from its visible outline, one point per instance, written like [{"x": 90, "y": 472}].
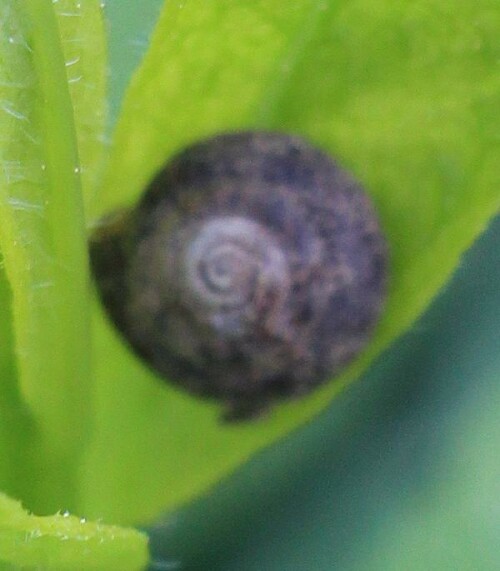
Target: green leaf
[
  {"x": 83, "y": 41},
  {"x": 405, "y": 102},
  {"x": 43, "y": 242},
  {"x": 410, "y": 105},
  {"x": 14, "y": 420},
  {"x": 44, "y": 332},
  {"x": 63, "y": 541}
]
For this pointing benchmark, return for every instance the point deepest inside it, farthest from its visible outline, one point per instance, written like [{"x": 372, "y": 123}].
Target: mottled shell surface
[{"x": 253, "y": 269}]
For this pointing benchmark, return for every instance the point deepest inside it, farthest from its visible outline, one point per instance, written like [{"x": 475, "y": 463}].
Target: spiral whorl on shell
[{"x": 253, "y": 269}]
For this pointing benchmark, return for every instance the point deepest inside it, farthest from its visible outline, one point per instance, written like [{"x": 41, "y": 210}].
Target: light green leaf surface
[
  {"x": 62, "y": 541},
  {"x": 82, "y": 33},
  {"x": 409, "y": 104},
  {"x": 45, "y": 389},
  {"x": 43, "y": 242},
  {"x": 14, "y": 420}
]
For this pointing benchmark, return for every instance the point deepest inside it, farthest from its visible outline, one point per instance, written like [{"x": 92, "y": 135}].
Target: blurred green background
[{"x": 401, "y": 472}]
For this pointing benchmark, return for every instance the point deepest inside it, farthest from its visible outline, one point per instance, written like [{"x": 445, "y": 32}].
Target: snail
[{"x": 253, "y": 270}]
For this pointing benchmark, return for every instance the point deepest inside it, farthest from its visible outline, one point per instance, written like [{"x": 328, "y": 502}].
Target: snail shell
[{"x": 253, "y": 269}]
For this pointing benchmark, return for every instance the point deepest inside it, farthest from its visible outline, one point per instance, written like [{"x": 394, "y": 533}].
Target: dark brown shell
[{"x": 253, "y": 269}]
